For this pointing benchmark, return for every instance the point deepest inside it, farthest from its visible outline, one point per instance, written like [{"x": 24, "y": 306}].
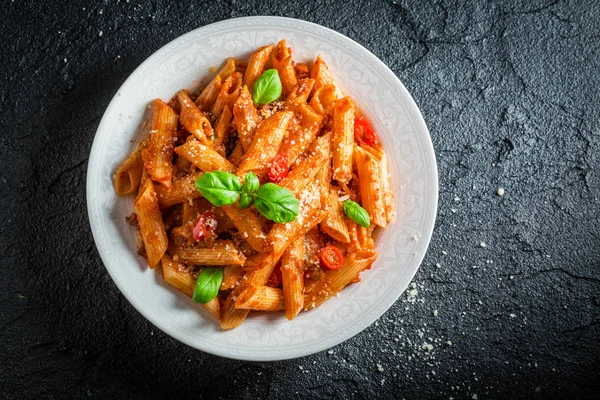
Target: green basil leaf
[
  {"x": 251, "y": 183},
  {"x": 246, "y": 200},
  {"x": 357, "y": 213},
  {"x": 207, "y": 285},
  {"x": 276, "y": 203},
  {"x": 267, "y": 87},
  {"x": 219, "y": 187}
]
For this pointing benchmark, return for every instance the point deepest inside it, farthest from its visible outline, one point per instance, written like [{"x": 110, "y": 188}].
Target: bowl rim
[{"x": 425, "y": 234}]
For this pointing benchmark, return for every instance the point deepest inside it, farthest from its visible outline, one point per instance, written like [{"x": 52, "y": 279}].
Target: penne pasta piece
[
  {"x": 300, "y": 176},
  {"x": 370, "y": 186},
  {"x": 222, "y": 130},
  {"x": 223, "y": 252},
  {"x": 152, "y": 228},
  {"x": 256, "y": 65},
  {"x": 297, "y": 140},
  {"x": 237, "y": 155},
  {"x": 182, "y": 190},
  {"x": 335, "y": 223},
  {"x": 343, "y": 140},
  {"x": 158, "y": 156},
  {"x": 281, "y": 58},
  {"x": 230, "y": 90},
  {"x": 232, "y": 317},
  {"x": 323, "y": 100},
  {"x": 292, "y": 276},
  {"x": 182, "y": 166},
  {"x": 310, "y": 215},
  {"x": 249, "y": 227},
  {"x": 265, "y": 265},
  {"x": 213, "y": 307},
  {"x": 322, "y": 76},
  {"x": 336, "y": 280},
  {"x": 129, "y": 174},
  {"x": 245, "y": 117},
  {"x": 207, "y": 98},
  {"x": 262, "y": 298},
  {"x": 204, "y": 157},
  {"x": 299, "y": 94},
  {"x": 388, "y": 195},
  {"x": 178, "y": 276},
  {"x": 231, "y": 276},
  {"x": 265, "y": 144},
  {"x": 194, "y": 120}
]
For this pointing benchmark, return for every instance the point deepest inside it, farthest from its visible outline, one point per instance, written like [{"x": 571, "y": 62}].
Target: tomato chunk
[
  {"x": 279, "y": 168},
  {"x": 331, "y": 258},
  {"x": 205, "y": 226},
  {"x": 363, "y": 131}
]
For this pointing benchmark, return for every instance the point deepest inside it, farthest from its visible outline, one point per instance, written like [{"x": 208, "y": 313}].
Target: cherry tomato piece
[
  {"x": 205, "y": 226},
  {"x": 279, "y": 168},
  {"x": 331, "y": 258},
  {"x": 363, "y": 131}
]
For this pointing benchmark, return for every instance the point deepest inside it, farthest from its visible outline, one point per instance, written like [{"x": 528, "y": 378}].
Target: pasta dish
[{"x": 261, "y": 191}]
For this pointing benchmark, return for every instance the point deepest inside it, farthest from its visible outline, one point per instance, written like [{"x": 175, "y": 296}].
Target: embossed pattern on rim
[{"x": 381, "y": 96}]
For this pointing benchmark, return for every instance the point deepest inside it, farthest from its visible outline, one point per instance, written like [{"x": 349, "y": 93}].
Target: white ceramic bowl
[{"x": 399, "y": 124}]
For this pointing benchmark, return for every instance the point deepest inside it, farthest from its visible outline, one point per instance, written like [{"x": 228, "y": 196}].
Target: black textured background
[{"x": 509, "y": 90}]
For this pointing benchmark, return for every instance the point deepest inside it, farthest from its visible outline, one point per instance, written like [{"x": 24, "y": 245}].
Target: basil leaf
[
  {"x": 246, "y": 200},
  {"x": 357, "y": 213},
  {"x": 207, "y": 285},
  {"x": 219, "y": 187},
  {"x": 267, "y": 87},
  {"x": 251, "y": 183},
  {"x": 276, "y": 203}
]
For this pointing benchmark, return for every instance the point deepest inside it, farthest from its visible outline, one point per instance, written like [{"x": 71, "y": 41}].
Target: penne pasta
[
  {"x": 223, "y": 252},
  {"x": 343, "y": 140},
  {"x": 249, "y": 227},
  {"x": 158, "y": 156},
  {"x": 231, "y": 276},
  {"x": 299, "y": 94},
  {"x": 237, "y": 155},
  {"x": 292, "y": 246},
  {"x": 262, "y": 298},
  {"x": 194, "y": 120},
  {"x": 129, "y": 174},
  {"x": 265, "y": 144},
  {"x": 323, "y": 100},
  {"x": 182, "y": 190},
  {"x": 300, "y": 138},
  {"x": 322, "y": 76},
  {"x": 335, "y": 223},
  {"x": 204, "y": 157},
  {"x": 208, "y": 96},
  {"x": 152, "y": 227},
  {"x": 310, "y": 215},
  {"x": 179, "y": 277},
  {"x": 281, "y": 57},
  {"x": 222, "y": 130},
  {"x": 336, "y": 280},
  {"x": 230, "y": 90},
  {"x": 370, "y": 184},
  {"x": 256, "y": 65},
  {"x": 303, "y": 174},
  {"x": 292, "y": 276},
  {"x": 245, "y": 117}
]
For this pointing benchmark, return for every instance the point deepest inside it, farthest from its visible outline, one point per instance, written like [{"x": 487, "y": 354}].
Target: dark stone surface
[{"x": 509, "y": 90}]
